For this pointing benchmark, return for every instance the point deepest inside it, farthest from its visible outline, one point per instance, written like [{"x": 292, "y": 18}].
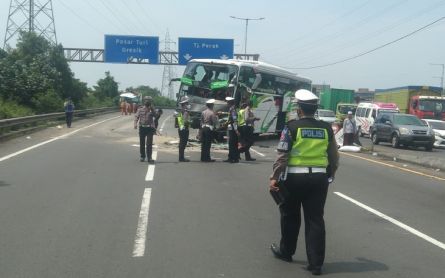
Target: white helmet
[
  {"x": 305, "y": 96},
  {"x": 184, "y": 99}
]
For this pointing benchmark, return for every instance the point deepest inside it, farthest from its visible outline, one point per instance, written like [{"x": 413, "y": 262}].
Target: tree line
[{"x": 35, "y": 78}]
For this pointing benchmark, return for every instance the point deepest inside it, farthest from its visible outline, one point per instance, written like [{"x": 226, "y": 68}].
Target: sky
[{"x": 294, "y": 34}]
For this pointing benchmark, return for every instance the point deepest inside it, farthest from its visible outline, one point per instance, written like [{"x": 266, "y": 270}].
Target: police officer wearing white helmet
[
  {"x": 307, "y": 159},
  {"x": 183, "y": 118}
]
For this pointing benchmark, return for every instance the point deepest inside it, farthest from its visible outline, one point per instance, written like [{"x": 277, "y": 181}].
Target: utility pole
[
  {"x": 441, "y": 78},
  {"x": 167, "y": 88},
  {"x": 30, "y": 16},
  {"x": 247, "y": 24}
]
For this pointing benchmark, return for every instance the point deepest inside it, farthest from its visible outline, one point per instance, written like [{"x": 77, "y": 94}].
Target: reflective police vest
[
  {"x": 181, "y": 123},
  {"x": 309, "y": 148},
  {"x": 241, "y": 120}
]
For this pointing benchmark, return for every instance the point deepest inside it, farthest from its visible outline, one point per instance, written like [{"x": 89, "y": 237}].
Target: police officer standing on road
[
  {"x": 249, "y": 120},
  {"x": 145, "y": 115},
  {"x": 307, "y": 159},
  {"x": 183, "y": 118},
  {"x": 209, "y": 121},
  {"x": 232, "y": 131}
]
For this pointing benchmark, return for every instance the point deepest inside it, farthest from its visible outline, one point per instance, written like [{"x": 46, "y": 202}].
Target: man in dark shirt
[{"x": 145, "y": 116}]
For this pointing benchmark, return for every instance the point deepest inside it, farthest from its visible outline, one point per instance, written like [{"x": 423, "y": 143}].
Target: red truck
[{"x": 423, "y": 101}]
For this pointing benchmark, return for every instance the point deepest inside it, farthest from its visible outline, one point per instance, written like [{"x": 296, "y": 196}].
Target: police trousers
[
  {"x": 308, "y": 191},
  {"x": 146, "y": 140},
  {"x": 183, "y": 139},
  {"x": 206, "y": 143},
  {"x": 233, "y": 146}
]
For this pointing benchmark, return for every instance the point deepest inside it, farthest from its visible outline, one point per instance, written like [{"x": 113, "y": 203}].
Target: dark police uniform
[
  {"x": 307, "y": 151},
  {"x": 233, "y": 135},
  {"x": 209, "y": 121}
]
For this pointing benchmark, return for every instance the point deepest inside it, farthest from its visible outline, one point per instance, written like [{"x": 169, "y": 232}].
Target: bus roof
[{"x": 260, "y": 66}]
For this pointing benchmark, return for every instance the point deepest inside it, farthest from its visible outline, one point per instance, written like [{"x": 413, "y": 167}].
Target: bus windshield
[{"x": 207, "y": 80}]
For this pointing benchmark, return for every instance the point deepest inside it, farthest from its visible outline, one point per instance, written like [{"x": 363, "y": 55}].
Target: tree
[{"x": 106, "y": 87}]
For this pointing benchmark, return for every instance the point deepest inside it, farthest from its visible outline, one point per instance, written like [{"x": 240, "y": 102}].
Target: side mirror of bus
[
  {"x": 257, "y": 81},
  {"x": 174, "y": 80}
]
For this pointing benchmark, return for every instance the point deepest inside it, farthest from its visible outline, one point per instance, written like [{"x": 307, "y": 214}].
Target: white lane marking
[
  {"x": 141, "y": 231},
  {"x": 151, "y": 168},
  {"x": 394, "y": 221},
  {"x": 394, "y": 166},
  {"x": 154, "y": 146},
  {"x": 163, "y": 123},
  {"x": 257, "y": 152},
  {"x": 54, "y": 139},
  {"x": 150, "y": 173}
]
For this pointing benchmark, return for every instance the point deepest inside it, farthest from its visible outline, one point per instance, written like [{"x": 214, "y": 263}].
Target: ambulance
[{"x": 367, "y": 112}]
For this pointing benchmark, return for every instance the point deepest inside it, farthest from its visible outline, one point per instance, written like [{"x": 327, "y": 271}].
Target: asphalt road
[{"x": 83, "y": 205}]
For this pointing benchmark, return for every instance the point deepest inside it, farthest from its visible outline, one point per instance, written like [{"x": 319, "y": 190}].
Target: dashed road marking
[
  {"x": 54, "y": 139},
  {"x": 394, "y": 221},
  {"x": 141, "y": 231},
  {"x": 151, "y": 168},
  {"x": 163, "y": 123},
  {"x": 257, "y": 152}
]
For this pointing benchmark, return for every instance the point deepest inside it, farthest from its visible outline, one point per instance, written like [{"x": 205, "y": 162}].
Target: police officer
[
  {"x": 249, "y": 119},
  {"x": 232, "y": 131},
  {"x": 209, "y": 121},
  {"x": 183, "y": 118},
  {"x": 145, "y": 116},
  {"x": 307, "y": 159}
]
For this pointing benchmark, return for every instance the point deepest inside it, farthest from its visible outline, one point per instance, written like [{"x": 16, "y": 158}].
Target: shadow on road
[{"x": 361, "y": 265}]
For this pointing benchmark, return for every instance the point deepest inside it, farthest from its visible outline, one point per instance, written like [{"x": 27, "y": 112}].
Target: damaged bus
[{"x": 270, "y": 88}]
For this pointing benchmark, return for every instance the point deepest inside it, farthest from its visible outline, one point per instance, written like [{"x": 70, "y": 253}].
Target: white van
[{"x": 367, "y": 112}]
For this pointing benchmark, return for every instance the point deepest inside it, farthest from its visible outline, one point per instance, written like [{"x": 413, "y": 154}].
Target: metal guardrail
[
  {"x": 18, "y": 126},
  {"x": 14, "y": 122}
]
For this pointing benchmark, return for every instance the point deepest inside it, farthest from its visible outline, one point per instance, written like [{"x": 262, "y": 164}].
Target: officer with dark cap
[
  {"x": 183, "y": 118},
  {"x": 232, "y": 131},
  {"x": 145, "y": 116},
  {"x": 306, "y": 163}
]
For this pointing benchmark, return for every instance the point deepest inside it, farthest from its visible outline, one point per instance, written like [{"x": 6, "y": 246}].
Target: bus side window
[
  {"x": 415, "y": 103},
  {"x": 373, "y": 115},
  {"x": 247, "y": 76}
]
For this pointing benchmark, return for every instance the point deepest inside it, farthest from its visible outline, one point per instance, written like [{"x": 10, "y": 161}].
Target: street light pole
[
  {"x": 441, "y": 78},
  {"x": 247, "y": 24}
]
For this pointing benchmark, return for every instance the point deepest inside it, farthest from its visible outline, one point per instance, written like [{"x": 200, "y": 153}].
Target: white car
[
  {"x": 325, "y": 115},
  {"x": 439, "y": 131}
]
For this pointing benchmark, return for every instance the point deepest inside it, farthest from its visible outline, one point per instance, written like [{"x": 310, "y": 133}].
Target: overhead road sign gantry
[
  {"x": 90, "y": 55},
  {"x": 204, "y": 48},
  {"x": 127, "y": 49}
]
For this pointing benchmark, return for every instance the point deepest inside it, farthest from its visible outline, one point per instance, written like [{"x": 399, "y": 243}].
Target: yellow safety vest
[
  {"x": 241, "y": 120},
  {"x": 181, "y": 123},
  {"x": 310, "y": 148}
]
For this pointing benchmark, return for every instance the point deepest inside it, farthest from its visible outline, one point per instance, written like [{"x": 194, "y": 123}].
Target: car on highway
[
  {"x": 402, "y": 129},
  {"x": 325, "y": 115},
  {"x": 439, "y": 131}
]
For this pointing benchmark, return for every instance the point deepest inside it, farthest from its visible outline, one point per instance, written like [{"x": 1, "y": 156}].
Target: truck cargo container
[{"x": 423, "y": 101}]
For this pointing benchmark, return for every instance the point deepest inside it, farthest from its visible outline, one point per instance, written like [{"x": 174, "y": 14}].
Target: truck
[
  {"x": 425, "y": 102},
  {"x": 338, "y": 100}
]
